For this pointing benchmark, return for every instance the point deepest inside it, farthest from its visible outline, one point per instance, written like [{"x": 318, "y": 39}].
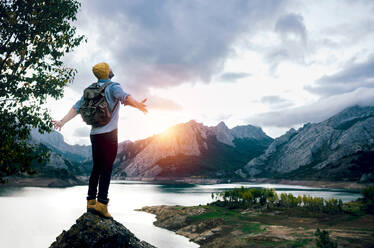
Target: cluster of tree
[
  {"x": 323, "y": 239},
  {"x": 368, "y": 199},
  {"x": 315, "y": 204},
  {"x": 246, "y": 197},
  {"x": 34, "y": 36},
  {"x": 251, "y": 197}
]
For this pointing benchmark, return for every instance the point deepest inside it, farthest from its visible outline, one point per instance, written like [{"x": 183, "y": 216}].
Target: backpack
[{"x": 94, "y": 109}]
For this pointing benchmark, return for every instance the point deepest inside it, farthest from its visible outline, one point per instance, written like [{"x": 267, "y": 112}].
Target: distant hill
[
  {"x": 191, "y": 149},
  {"x": 339, "y": 148},
  {"x": 66, "y": 161},
  {"x": 55, "y": 142}
]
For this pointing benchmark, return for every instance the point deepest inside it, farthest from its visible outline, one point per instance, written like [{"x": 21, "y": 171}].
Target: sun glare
[{"x": 168, "y": 133}]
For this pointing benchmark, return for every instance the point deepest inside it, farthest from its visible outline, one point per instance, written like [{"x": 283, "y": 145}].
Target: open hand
[
  {"x": 142, "y": 106},
  {"x": 139, "y": 105},
  {"x": 57, "y": 125}
]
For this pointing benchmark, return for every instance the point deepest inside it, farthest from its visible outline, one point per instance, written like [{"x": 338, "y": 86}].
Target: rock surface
[
  {"x": 339, "y": 148},
  {"x": 91, "y": 230}
]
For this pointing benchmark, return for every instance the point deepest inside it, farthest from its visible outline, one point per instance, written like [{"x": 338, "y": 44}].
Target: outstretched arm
[
  {"x": 139, "y": 105},
  {"x": 70, "y": 115}
]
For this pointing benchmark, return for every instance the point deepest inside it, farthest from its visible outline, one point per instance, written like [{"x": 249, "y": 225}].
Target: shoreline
[
  {"x": 17, "y": 181},
  {"x": 346, "y": 185},
  {"x": 49, "y": 182}
]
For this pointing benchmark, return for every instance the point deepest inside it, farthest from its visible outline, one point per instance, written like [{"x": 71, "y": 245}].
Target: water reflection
[{"x": 11, "y": 191}]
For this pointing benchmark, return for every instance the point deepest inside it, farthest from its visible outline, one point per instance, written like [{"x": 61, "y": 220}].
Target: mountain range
[
  {"x": 192, "y": 149},
  {"x": 339, "y": 148}
]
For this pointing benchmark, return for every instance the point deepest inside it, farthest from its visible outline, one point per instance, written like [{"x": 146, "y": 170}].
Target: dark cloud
[
  {"x": 293, "y": 47},
  {"x": 233, "y": 76},
  {"x": 165, "y": 43},
  {"x": 315, "y": 112},
  {"x": 161, "y": 103},
  {"x": 82, "y": 132},
  {"x": 291, "y": 26},
  {"x": 351, "y": 77},
  {"x": 275, "y": 101}
]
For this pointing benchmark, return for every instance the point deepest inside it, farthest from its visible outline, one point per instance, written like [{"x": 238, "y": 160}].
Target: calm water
[{"x": 34, "y": 217}]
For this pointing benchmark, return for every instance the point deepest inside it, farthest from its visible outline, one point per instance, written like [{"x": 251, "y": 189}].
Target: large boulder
[{"x": 92, "y": 230}]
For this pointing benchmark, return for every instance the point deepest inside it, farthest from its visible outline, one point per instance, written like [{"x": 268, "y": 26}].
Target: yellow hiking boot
[
  {"x": 90, "y": 204},
  {"x": 101, "y": 209}
]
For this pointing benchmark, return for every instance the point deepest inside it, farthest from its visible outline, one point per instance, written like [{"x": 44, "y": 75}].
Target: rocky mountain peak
[
  {"x": 226, "y": 135},
  {"x": 182, "y": 138},
  {"x": 53, "y": 137},
  {"x": 249, "y": 131},
  {"x": 349, "y": 116},
  {"x": 223, "y": 134},
  {"x": 55, "y": 141},
  {"x": 192, "y": 123},
  {"x": 222, "y": 125}
]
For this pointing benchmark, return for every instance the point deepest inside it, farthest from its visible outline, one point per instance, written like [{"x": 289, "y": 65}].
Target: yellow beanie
[{"x": 101, "y": 70}]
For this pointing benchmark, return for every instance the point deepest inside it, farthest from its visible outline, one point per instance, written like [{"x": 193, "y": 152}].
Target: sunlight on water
[{"x": 34, "y": 217}]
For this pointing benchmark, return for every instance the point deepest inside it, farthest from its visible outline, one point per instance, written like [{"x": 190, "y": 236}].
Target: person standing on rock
[{"x": 103, "y": 135}]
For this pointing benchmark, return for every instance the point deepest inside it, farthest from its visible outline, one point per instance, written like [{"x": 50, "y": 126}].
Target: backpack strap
[
  {"x": 114, "y": 107},
  {"x": 105, "y": 85},
  {"x": 103, "y": 88}
]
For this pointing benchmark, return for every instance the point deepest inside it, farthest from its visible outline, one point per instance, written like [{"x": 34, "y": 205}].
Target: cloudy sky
[{"x": 275, "y": 64}]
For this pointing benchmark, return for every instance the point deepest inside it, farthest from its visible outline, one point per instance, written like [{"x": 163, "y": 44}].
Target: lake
[{"x": 34, "y": 217}]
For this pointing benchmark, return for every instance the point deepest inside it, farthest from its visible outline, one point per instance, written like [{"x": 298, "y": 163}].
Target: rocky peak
[
  {"x": 55, "y": 141},
  {"x": 183, "y": 138},
  {"x": 278, "y": 142},
  {"x": 91, "y": 230},
  {"x": 226, "y": 135},
  {"x": 189, "y": 126},
  {"x": 249, "y": 131},
  {"x": 192, "y": 123},
  {"x": 53, "y": 137},
  {"x": 222, "y": 125},
  {"x": 223, "y": 134},
  {"x": 349, "y": 116}
]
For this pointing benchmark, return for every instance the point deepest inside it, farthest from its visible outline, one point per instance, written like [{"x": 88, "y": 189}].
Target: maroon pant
[{"x": 104, "y": 151}]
